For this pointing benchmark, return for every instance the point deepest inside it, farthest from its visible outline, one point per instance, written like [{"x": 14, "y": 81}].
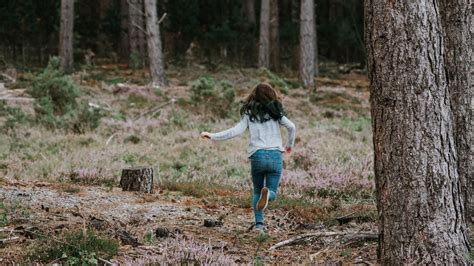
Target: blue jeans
[{"x": 266, "y": 171}]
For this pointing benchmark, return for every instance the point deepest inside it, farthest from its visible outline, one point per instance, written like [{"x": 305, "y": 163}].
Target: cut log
[{"x": 137, "y": 179}]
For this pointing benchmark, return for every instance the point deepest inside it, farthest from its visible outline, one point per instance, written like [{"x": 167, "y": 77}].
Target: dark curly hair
[{"x": 263, "y": 104}]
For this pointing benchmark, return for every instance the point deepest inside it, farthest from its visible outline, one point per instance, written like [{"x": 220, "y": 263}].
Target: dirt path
[{"x": 53, "y": 208}]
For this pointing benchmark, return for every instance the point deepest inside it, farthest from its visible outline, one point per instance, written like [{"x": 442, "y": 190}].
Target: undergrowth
[{"x": 76, "y": 248}]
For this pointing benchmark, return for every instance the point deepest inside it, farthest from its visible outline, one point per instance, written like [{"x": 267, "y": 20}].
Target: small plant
[
  {"x": 136, "y": 60},
  {"x": 275, "y": 80},
  {"x": 3, "y": 215},
  {"x": 217, "y": 99},
  {"x": 76, "y": 247},
  {"x": 13, "y": 116}
]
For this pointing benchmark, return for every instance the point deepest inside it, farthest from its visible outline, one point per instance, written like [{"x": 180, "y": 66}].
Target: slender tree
[
  {"x": 418, "y": 197},
  {"x": 274, "y": 36},
  {"x": 136, "y": 29},
  {"x": 66, "y": 35},
  {"x": 249, "y": 11},
  {"x": 307, "y": 43},
  {"x": 155, "y": 53},
  {"x": 124, "y": 39},
  {"x": 456, "y": 16},
  {"x": 264, "y": 41}
]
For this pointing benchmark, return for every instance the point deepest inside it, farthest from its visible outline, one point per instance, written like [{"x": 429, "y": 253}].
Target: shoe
[
  {"x": 260, "y": 227},
  {"x": 263, "y": 201}
]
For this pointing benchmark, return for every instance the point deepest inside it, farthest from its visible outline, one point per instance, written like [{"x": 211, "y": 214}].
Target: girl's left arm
[{"x": 232, "y": 132}]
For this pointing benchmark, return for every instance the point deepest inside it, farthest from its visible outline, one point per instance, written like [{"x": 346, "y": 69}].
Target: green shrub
[
  {"x": 214, "y": 98},
  {"x": 275, "y": 80},
  {"x": 78, "y": 247},
  {"x": 12, "y": 116},
  {"x": 61, "y": 90},
  {"x": 56, "y": 104}
]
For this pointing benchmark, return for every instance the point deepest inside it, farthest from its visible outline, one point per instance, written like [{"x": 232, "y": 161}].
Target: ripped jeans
[{"x": 266, "y": 171}]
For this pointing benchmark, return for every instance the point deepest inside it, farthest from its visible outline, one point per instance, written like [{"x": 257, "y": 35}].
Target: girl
[{"x": 262, "y": 113}]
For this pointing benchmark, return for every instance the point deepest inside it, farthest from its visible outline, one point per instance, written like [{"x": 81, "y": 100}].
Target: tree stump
[{"x": 137, "y": 179}]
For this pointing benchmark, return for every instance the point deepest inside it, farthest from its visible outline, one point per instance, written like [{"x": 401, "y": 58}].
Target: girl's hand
[
  {"x": 288, "y": 151},
  {"x": 205, "y": 135}
]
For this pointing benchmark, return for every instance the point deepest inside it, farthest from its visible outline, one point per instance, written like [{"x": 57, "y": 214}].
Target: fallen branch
[
  {"x": 321, "y": 234},
  {"x": 155, "y": 109}
]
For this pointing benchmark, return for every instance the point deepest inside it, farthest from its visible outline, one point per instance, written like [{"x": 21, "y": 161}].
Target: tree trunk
[
  {"x": 136, "y": 28},
  {"x": 307, "y": 43},
  {"x": 137, "y": 179},
  {"x": 249, "y": 11},
  {"x": 264, "y": 42},
  {"x": 124, "y": 39},
  {"x": 316, "y": 61},
  {"x": 418, "y": 198},
  {"x": 66, "y": 35},
  {"x": 155, "y": 52},
  {"x": 274, "y": 36},
  {"x": 456, "y": 15}
]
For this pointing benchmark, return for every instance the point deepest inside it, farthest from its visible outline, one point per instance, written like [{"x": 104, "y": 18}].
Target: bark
[
  {"x": 155, "y": 52},
  {"x": 316, "y": 61},
  {"x": 66, "y": 35},
  {"x": 418, "y": 197},
  {"x": 274, "y": 36},
  {"x": 249, "y": 11},
  {"x": 137, "y": 179},
  {"x": 264, "y": 41},
  {"x": 136, "y": 28},
  {"x": 124, "y": 39},
  {"x": 307, "y": 31},
  {"x": 456, "y": 16}
]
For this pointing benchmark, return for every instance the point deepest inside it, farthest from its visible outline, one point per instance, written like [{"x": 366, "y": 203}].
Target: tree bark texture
[
  {"x": 155, "y": 52},
  {"x": 274, "y": 36},
  {"x": 124, "y": 39},
  {"x": 66, "y": 35},
  {"x": 418, "y": 188},
  {"x": 249, "y": 11},
  {"x": 137, "y": 179},
  {"x": 316, "y": 60},
  {"x": 306, "y": 69},
  {"x": 136, "y": 28},
  {"x": 264, "y": 40},
  {"x": 456, "y": 16}
]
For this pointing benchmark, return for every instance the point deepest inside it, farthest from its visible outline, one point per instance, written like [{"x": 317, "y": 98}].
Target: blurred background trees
[{"x": 217, "y": 31}]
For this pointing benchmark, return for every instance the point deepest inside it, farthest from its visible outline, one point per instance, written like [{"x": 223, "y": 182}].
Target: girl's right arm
[{"x": 231, "y": 132}]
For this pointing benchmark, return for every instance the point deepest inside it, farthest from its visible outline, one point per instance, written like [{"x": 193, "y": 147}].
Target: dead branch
[
  {"x": 162, "y": 18},
  {"x": 155, "y": 109},
  {"x": 322, "y": 234},
  {"x": 140, "y": 28}
]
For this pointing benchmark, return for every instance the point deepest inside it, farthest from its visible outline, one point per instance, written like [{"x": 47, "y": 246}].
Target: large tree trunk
[
  {"x": 136, "y": 28},
  {"x": 66, "y": 35},
  {"x": 456, "y": 16},
  {"x": 307, "y": 43},
  {"x": 418, "y": 197},
  {"x": 155, "y": 52},
  {"x": 249, "y": 11},
  {"x": 316, "y": 60},
  {"x": 264, "y": 41},
  {"x": 124, "y": 39},
  {"x": 274, "y": 36}
]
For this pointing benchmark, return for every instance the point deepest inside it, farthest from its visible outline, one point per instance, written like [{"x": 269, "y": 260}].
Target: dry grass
[{"x": 329, "y": 174}]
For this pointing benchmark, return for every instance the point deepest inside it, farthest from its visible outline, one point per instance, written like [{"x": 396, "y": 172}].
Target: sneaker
[
  {"x": 260, "y": 227},
  {"x": 263, "y": 201}
]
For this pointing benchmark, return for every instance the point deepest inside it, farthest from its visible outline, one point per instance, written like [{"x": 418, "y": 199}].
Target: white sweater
[{"x": 263, "y": 136}]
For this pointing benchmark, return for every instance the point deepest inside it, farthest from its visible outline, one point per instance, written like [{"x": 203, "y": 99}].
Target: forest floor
[{"x": 54, "y": 182}]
